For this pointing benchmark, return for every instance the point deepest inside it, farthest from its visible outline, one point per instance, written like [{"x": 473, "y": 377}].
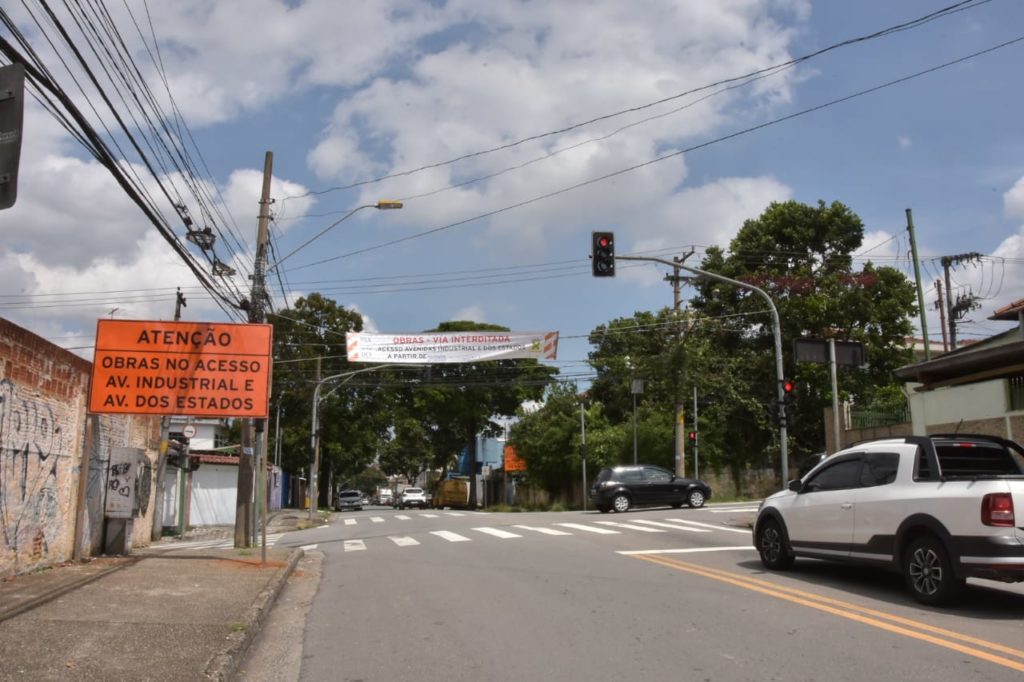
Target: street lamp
[
  {"x": 382, "y": 204},
  {"x": 314, "y": 442}
]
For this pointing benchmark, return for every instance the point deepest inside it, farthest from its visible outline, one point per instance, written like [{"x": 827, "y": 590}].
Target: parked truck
[{"x": 451, "y": 492}]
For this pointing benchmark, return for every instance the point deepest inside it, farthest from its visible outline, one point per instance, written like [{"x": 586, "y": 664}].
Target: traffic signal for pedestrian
[{"x": 603, "y": 254}]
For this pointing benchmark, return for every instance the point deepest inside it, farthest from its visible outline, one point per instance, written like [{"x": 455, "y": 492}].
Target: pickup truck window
[
  {"x": 879, "y": 469},
  {"x": 839, "y": 476},
  {"x": 976, "y": 459}
]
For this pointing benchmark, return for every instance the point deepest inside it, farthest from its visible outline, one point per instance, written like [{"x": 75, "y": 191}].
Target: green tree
[
  {"x": 458, "y": 401},
  {"x": 354, "y": 418},
  {"x": 802, "y": 256}
]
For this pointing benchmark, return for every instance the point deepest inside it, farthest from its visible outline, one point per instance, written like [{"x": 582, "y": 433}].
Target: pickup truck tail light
[{"x": 997, "y": 509}]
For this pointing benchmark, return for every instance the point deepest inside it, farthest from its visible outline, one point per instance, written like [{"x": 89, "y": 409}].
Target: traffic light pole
[{"x": 776, "y": 332}]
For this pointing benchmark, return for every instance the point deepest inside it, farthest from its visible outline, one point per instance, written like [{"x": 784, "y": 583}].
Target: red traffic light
[
  {"x": 788, "y": 386},
  {"x": 603, "y": 254},
  {"x": 693, "y": 436}
]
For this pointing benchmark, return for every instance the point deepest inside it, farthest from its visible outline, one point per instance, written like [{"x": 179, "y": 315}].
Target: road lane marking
[
  {"x": 354, "y": 545},
  {"x": 689, "y": 550},
  {"x": 377, "y": 519},
  {"x": 589, "y": 529},
  {"x": 861, "y": 614},
  {"x": 454, "y": 514},
  {"x": 747, "y": 531},
  {"x": 497, "y": 532},
  {"x": 350, "y": 522},
  {"x": 402, "y": 517},
  {"x": 403, "y": 540},
  {"x": 732, "y": 510},
  {"x": 673, "y": 526},
  {"x": 307, "y": 548},
  {"x": 545, "y": 531},
  {"x": 450, "y": 536},
  {"x": 630, "y": 526},
  {"x": 429, "y": 516}
]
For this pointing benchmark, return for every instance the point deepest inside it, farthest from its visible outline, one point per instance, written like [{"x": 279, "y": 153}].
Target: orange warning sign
[
  {"x": 200, "y": 369},
  {"x": 513, "y": 462}
]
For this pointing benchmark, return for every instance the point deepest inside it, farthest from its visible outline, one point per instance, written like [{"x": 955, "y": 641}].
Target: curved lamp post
[
  {"x": 382, "y": 204},
  {"x": 314, "y": 441}
]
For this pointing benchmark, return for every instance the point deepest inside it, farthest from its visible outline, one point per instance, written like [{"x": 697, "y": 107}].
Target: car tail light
[{"x": 997, "y": 509}]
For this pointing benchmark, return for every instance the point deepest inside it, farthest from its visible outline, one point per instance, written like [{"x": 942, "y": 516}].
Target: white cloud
[
  {"x": 1013, "y": 200},
  {"x": 904, "y": 141}
]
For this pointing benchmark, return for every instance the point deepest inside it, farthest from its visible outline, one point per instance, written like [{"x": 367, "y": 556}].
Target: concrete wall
[
  {"x": 42, "y": 437},
  {"x": 973, "y": 408}
]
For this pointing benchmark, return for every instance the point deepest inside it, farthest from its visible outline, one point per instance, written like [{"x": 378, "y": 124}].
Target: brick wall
[{"x": 42, "y": 434}]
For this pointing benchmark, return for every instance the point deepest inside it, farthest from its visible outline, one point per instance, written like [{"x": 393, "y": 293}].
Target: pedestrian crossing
[
  {"x": 517, "y": 531},
  {"x": 513, "y": 532}
]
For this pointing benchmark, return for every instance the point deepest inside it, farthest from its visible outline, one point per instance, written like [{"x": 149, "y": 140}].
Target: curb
[
  {"x": 29, "y": 604},
  {"x": 224, "y": 664}
]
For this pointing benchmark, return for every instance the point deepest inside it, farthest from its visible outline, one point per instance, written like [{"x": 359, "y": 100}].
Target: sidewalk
[{"x": 165, "y": 612}]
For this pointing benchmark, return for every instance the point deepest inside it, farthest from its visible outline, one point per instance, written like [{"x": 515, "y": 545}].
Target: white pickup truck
[{"x": 939, "y": 509}]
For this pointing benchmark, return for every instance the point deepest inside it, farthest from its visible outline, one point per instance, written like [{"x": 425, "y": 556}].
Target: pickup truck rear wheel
[{"x": 928, "y": 572}]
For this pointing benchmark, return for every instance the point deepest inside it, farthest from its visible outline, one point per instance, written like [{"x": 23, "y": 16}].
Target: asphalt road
[{"x": 653, "y": 594}]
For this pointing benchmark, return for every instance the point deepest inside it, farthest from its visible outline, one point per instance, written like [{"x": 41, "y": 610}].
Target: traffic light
[
  {"x": 178, "y": 455},
  {"x": 693, "y": 437},
  {"x": 787, "y": 392},
  {"x": 603, "y": 254}
]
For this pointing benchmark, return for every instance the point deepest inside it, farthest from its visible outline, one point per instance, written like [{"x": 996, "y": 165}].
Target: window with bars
[{"x": 1015, "y": 390}]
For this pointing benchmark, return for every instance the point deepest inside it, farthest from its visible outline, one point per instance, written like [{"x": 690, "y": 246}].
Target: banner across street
[{"x": 450, "y": 347}]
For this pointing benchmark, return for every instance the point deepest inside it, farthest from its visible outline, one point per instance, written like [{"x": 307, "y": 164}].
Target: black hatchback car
[{"x": 645, "y": 485}]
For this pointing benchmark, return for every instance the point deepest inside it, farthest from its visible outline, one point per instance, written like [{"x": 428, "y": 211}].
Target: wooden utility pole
[{"x": 244, "y": 508}]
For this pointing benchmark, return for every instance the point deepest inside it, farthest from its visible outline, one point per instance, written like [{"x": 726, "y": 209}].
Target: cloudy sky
[{"x": 511, "y": 130}]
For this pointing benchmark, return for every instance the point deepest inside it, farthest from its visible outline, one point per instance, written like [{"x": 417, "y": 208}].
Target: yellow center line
[{"x": 850, "y": 611}]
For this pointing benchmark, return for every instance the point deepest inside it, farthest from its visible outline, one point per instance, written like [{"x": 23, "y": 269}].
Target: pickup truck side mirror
[{"x": 796, "y": 485}]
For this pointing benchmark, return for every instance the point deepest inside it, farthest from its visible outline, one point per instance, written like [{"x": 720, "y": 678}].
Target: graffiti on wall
[{"x": 32, "y": 456}]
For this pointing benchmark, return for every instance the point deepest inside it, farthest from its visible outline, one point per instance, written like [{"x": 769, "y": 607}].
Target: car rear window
[
  {"x": 414, "y": 491},
  {"x": 350, "y": 494},
  {"x": 976, "y": 459}
]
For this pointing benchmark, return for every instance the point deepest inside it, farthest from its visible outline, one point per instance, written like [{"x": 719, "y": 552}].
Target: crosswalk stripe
[
  {"x": 350, "y": 522},
  {"x": 732, "y": 510},
  {"x": 377, "y": 519},
  {"x": 403, "y": 540},
  {"x": 354, "y": 545},
  {"x": 589, "y": 529},
  {"x": 673, "y": 526},
  {"x": 545, "y": 531},
  {"x": 454, "y": 514},
  {"x": 402, "y": 517},
  {"x": 498, "y": 533},
  {"x": 630, "y": 526},
  {"x": 429, "y": 516},
  {"x": 711, "y": 525},
  {"x": 449, "y": 536}
]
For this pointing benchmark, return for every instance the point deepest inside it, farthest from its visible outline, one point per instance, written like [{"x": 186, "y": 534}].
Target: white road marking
[
  {"x": 306, "y": 548},
  {"x": 673, "y": 526},
  {"x": 589, "y": 529},
  {"x": 545, "y": 531},
  {"x": 402, "y": 517},
  {"x": 449, "y": 536},
  {"x": 711, "y": 525},
  {"x": 629, "y": 526},
  {"x": 350, "y": 522},
  {"x": 498, "y": 533},
  {"x": 403, "y": 540},
  {"x": 377, "y": 519},
  {"x": 454, "y": 513},
  {"x": 429, "y": 516},
  {"x": 734, "y": 509},
  {"x": 692, "y": 550},
  {"x": 354, "y": 545}
]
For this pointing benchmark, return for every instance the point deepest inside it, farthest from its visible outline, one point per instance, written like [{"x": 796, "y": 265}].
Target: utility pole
[
  {"x": 955, "y": 312},
  {"x": 314, "y": 455},
  {"x": 680, "y": 425},
  {"x": 940, "y": 306},
  {"x": 161, "y": 462},
  {"x": 244, "y": 521},
  {"x": 920, "y": 291}
]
